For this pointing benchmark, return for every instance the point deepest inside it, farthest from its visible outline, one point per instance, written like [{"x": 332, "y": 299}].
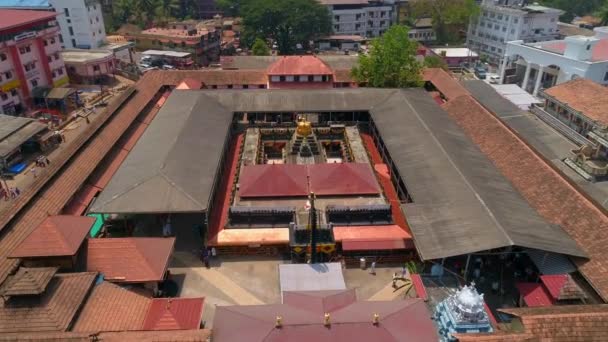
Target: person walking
[
  {"x": 33, "y": 171},
  {"x": 372, "y": 269}
]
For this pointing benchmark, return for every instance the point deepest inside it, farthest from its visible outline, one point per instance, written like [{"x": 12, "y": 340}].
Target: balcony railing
[{"x": 559, "y": 126}]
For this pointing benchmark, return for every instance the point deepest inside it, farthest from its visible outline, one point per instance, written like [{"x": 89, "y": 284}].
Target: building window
[
  {"x": 230, "y": 86},
  {"x": 8, "y": 75},
  {"x": 71, "y": 30},
  {"x": 60, "y": 71},
  {"x": 34, "y": 83},
  {"x": 606, "y": 76},
  {"x": 56, "y": 55},
  {"x": 46, "y": 42},
  {"x": 25, "y": 49},
  {"x": 49, "y": 58},
  {"x": 311, "y": 78},
  {"x": 53, "y": 75},
  {"x": 97, "y": 19},
  {"x": 296, "y": 78},
  {"x": 2, "y": 56},
  {"x": 52, "y": 41},
  {"x": 61, "y": 39},
  {"x": 261, "y": 86},
  {"x": 14, "y": 92},
  {"x": 66, "y": 12},
  {"x": 3, "y": 96},
  {"x": 73, "y": 42},
  {"x": 91, "y": 21},
  {"x": 95, "y": 67},
  {"x": 282, "y": 78},
  {"x": 336, "y": 27},
  {"x": 245, "y": 86},
  {"x": 516, "y": 20},
  {"x": 512, "y": 31},
  {"x": 336, "y": 17}
]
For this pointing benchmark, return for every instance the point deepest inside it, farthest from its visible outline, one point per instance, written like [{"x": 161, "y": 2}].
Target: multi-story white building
[
  {"x": 366, "y": 18},
  {"x": 29, "y": 57},
  {"x": 541, "y": 65},
  {"x": 81, "y": 23},
  {"x": 501, "y": 21}
]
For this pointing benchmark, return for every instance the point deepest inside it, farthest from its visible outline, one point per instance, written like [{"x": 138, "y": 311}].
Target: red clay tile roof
[
  {"x": 534, "y": 294},
  {"x": 200, "y": 335},
  {"x": 343, "y": 75},
  {"x": 585, "y": 96},
  {"x": 130, "y": 260},
  {"x": 189, "y": 83},
  {"x": 53, "y": 310},
  {"x": 273, "y": 180},
  {"x": 556, "y": 199},
  {"x": 342, "y": 179},
  {"x": 299, "y": 65},
  {"x": 28, "y": 281},
  {"x": 373, "y": 245},
  {"x": 444, "y": 83},
  {"x": 112, "y": 308},
  {"x": 174, "y": 314},
  {"x": 56, "y": 236},
  {"x": 15, "y": 18}
]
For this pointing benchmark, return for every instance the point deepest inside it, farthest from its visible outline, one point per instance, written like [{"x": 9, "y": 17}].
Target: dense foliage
[
  {"x": 449, "y": 16},
  {"x": 260, "y": 48},
  {"x": 574, "y": 8},
  {"x": 391, "y": 62},
  {"x": 286, "y": 22},
  {"x": 435, "y": 62},
  {"x": 151, "y": 12}
]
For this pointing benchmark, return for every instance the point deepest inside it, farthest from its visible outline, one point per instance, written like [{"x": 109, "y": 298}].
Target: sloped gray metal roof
[
  {"x": 461, "y": 202},
  {"x": 14, "y": 131},
  {"x": 172, "y": 168}
]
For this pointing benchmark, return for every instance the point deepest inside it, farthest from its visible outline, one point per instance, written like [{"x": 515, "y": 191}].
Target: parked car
[
  {"x": 167, "y": 67},
  {"x": 495, "y": 79},
  {"x": 480, "y": 73}
]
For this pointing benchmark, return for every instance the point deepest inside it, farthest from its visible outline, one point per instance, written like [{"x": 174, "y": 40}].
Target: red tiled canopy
[
  {"x": 174, "y": 314},
  {"x": 342, "y": 179},
  {"x": 273, "y": 180},
  {"x": 299, "y": 65},
  {"x": 59, "y": 235}
]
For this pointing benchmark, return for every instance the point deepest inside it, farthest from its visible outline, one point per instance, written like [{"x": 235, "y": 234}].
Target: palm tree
[
  {"x": 602, "y": 13},
  {"x": 123, "y": 11},
  {"x": 167, "y": 9}
]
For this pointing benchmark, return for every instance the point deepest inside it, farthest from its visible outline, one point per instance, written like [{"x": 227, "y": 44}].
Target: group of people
[
  {"x": 9, "y": 193},
  {"x": 42, "y": 161}
]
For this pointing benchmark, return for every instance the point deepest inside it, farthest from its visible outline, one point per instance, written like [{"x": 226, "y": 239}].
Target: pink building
[
  {"x": 89, "y": 66},
  {"x": 29, "y": 57}
]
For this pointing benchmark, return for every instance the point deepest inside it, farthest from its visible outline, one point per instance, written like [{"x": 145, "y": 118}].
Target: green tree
[
  {"x": 573, "y": 8},
  {"x": 166, "y": 10},
  {"x": 602, "y": 13},
  {"x": 260, "y": 48},
  {"x": 287, "y": 22},
  {"x": 230, "y": 8},
  {"x": 449, "y": 16},
  {"x": 123, "y": 11},
  {"x": 391, "y": 62},
  {"x": 435, "y": 62}
]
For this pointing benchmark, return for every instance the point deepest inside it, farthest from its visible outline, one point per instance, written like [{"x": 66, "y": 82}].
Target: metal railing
[{"x": 559, "y": 126}]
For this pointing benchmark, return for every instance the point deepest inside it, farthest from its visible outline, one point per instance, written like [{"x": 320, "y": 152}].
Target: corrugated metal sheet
[
  {"x": 534, "y": 294},
  {"x": 342, "y": 179},
  {"x": 268, "y": 180},
  {"x": 551, "y": 263}
]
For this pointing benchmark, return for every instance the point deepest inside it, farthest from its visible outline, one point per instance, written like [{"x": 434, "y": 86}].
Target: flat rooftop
[
  {"x": 599, "y": 54},
  {"x": 84, "y": 56}
]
